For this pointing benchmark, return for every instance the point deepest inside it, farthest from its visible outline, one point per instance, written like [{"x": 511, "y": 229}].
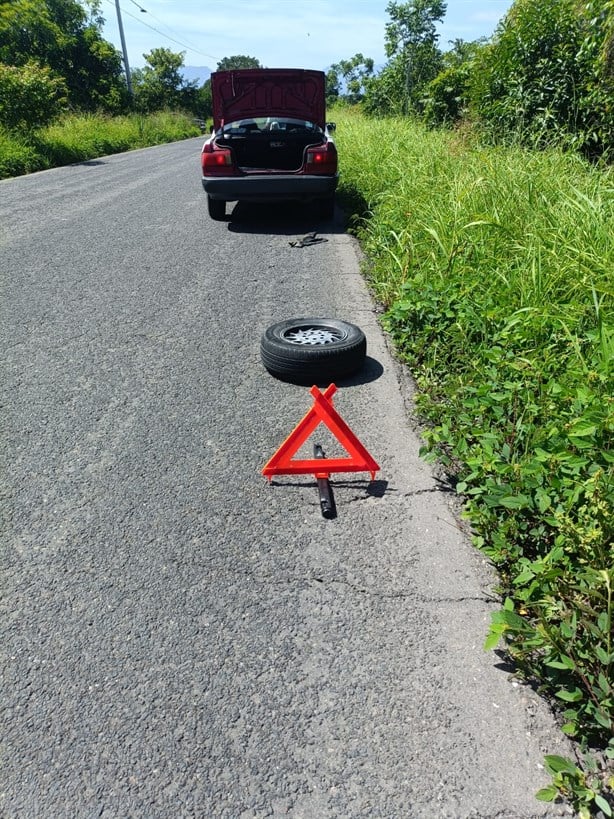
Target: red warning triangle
[{"x": 282, "y": 462}]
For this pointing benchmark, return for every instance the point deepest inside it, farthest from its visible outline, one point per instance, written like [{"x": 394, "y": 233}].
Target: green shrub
[
  {"x": 447, "y": 96},
  {"x": 548, "y": 76},
  {"x": 446, "y": 100},
  {"x": 30, "y": 95}
]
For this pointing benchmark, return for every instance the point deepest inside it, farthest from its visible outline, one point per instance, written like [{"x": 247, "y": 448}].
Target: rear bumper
[{"x": 270, "y": 187}]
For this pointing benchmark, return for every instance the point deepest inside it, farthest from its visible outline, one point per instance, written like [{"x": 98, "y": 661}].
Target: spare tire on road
[{"x": 313, "y": 350}]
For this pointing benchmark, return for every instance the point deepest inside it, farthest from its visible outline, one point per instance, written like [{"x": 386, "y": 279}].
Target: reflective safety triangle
[{"x": 284, "y": 463}]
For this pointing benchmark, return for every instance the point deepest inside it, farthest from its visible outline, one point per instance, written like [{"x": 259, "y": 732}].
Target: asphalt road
[{"x": 181, "y": 638}]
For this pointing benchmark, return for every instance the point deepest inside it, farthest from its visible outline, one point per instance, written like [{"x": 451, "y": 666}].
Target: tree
[
  {"x": 204, "y": 102},
  {"x": 28, "y": 30},
  {"x": 462, "y": 52},
  {"x": 352, "y": 75},
  {"x": 411, "y": 43},
  {"x": 333, "y": 86},
  {"x": 238, "y": 61},
  {"x": 62, "y": 35},
  {"x": 548, "y": 75},
  {"x": 412, "y": 24},
  {"x": 160, "y": 84},
  {"x": 386, "y": 93}
]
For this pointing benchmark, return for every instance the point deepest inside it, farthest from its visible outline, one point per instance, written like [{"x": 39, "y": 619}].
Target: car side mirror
[{"x": 331, "y": 126}]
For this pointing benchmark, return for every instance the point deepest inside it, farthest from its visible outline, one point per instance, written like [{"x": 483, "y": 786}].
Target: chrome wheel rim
[{"x": 313, "y": 335}]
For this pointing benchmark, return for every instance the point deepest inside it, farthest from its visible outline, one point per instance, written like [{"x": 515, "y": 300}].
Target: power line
[
  {"x": 162, "y": 23},
  {"x": 161, "y": 33}
]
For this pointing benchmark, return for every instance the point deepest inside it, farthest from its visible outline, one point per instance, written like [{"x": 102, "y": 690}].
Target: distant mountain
[{"x": 200, "y": 73}]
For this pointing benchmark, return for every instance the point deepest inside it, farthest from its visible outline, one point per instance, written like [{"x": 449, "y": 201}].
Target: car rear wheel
[
  {"x": 312, "y": 350},
  {"x": 216, "y": 208}
]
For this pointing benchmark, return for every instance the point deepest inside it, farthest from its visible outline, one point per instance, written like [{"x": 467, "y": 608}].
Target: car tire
[
  {"x": 216, "y": 208},
  {"x": 312, "y": 350}
]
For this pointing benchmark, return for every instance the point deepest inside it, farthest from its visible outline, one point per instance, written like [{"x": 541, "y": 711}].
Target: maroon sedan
[{"x": 270, "y": 140}]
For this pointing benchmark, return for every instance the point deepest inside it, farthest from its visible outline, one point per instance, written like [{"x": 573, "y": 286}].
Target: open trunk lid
[{"x": 268, "y": 92}]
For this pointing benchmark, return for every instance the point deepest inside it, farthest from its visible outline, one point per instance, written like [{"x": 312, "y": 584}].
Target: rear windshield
[{"x": 264, "y": 125}]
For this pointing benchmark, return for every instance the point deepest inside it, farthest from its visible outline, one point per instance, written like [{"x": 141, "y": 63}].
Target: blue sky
[{"x": 279, "y": 33}]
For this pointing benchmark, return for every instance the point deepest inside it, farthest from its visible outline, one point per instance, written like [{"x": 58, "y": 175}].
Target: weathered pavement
[{"x": 179, "y": 637}]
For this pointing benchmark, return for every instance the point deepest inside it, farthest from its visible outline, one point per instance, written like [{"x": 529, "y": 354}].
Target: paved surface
[{"x": 179, "y": 637}]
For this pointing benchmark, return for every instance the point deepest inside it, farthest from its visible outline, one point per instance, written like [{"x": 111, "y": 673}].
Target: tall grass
[
  {"x": 16, "y": 156},
  {"x": 78, "y": 138},
  {"x": 496, "y": 269}
]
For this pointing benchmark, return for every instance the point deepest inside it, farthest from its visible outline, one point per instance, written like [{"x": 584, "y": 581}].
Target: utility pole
[{"x": 123, "y": 39}]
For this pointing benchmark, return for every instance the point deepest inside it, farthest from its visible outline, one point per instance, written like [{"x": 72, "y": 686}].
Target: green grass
[
  {"x": 17, "y": 156},
  {"x": 78, "y": 138},
  {"x": 496, "y": 270}
]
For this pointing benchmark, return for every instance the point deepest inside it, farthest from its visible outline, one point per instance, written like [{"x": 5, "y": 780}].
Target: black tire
[
  {"x": 216, "y": 208},
  {"x": 312, "y": 350}
]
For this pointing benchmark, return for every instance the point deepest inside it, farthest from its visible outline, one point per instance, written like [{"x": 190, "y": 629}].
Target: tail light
[
  {"x": 216, "y": 160},
  {"x": 321, "y": 160}
]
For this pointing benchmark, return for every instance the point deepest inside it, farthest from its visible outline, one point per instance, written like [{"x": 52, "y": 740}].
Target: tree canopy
[
  {"x": 160, "y": 83},
  {"x": 411, "y": 44},
  {"x": 236, "y": 62},
  {"x": 66, "y": 38},
  {"x": 545, "y": 77},
  {"x": 412, "y": 25},
  {"x": 548, "y": 75},
  {"x": 347, "y": 79}
]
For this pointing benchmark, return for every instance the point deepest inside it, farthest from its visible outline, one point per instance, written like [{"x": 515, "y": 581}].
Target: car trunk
[
  {"x": 269, "y": 150},
  {"x": 268, "y": 92}
]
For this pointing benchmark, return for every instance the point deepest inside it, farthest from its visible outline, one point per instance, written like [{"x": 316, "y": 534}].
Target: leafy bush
[
  {"x": 597, "y": 104},
  {"x": 66, "y": 37},
  {"x": 446, "y": 96},
  {"x": 30, "y": 95},
  {"x": 548, "y": 75},
  {"x": 385, "y": 94}
]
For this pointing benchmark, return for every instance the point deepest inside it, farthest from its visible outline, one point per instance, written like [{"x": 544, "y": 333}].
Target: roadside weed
[
  {"x": 79, "y": 137},
  {"x": 496, "y": 271}
]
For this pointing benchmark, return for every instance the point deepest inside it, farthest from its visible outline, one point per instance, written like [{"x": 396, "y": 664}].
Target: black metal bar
[{"x": 327, "y": 502}]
